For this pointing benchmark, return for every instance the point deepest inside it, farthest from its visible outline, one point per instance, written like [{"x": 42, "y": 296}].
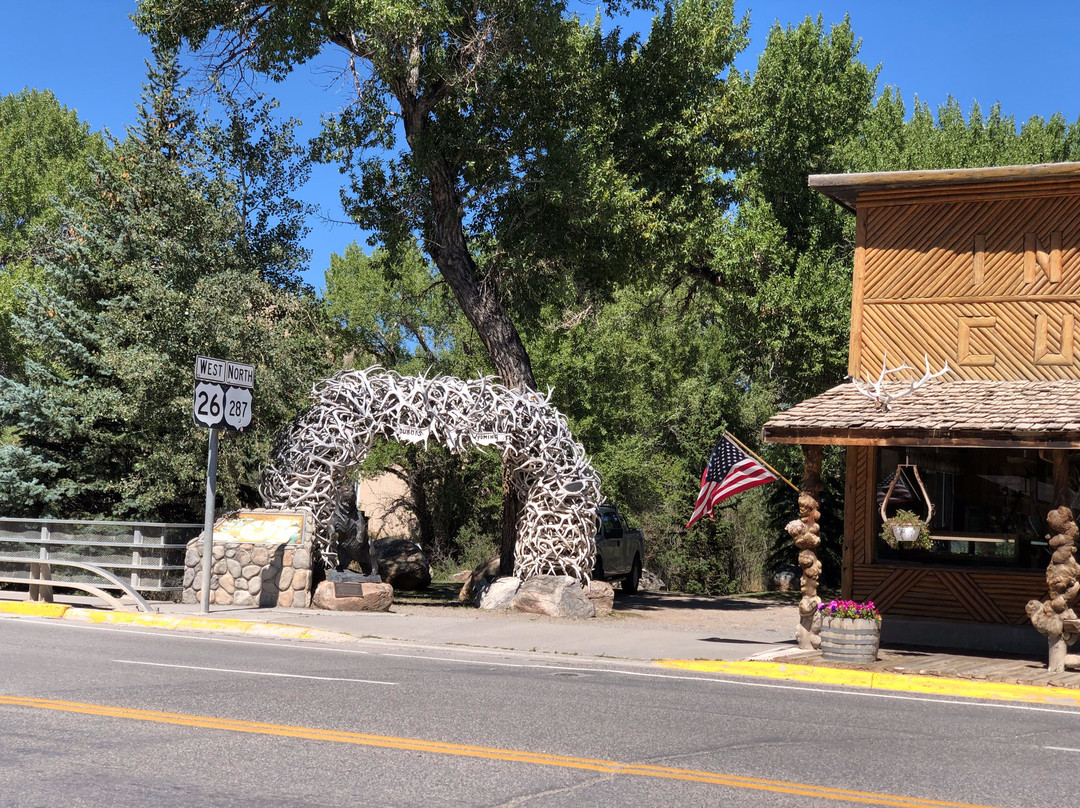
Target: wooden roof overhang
[
  {"x": 849, "y": 189},
  {"x": 974, "y": 414}
]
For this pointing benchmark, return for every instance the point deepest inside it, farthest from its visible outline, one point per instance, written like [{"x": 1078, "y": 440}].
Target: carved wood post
[
  {"x": 1056, "y": 617},
  {"x": 807, "y": 535}
]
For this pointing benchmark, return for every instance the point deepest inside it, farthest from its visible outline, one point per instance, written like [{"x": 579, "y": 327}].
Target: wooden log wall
[{"x": 988, "y": 279}]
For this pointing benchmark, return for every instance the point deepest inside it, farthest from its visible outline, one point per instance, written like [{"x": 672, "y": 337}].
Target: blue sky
[{"x": 1023, "y": 55}]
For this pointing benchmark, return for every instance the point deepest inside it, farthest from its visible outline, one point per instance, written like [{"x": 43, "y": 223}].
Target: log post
[
  {"x": 807, "y": 535},
  {"x": 1056, "y": 617}
]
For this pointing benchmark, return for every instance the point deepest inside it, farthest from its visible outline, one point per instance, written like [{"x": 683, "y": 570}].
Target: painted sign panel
[{"x": 259, "y": 527}]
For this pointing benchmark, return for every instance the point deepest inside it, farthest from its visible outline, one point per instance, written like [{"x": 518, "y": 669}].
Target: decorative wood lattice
[
  {"x": 926, "y": 592},
  {"x": 988, "y": 282},
  {"x": 310, "y": 463}
]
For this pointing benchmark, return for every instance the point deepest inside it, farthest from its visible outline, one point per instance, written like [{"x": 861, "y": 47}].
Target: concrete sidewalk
[
  {"x": 728, "y": 628},
  {"x": 729, "y": 636}
]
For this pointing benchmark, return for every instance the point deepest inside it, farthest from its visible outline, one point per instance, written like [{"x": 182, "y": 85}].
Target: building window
[{"x": 990, "y": 505}]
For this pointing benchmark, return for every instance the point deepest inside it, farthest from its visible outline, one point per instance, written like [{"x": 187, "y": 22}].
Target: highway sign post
[{"x": 222, "y": 401}]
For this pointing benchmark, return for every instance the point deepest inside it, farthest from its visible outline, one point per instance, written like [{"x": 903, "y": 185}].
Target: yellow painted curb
[
  {"x": 206, "y": 624},
  {"x": 35, "y": 609},
  {"x": 939, "y": 686}
]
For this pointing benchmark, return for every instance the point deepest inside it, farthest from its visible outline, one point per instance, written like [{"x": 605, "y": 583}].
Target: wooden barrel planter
[{"x": 849, "y": 639}]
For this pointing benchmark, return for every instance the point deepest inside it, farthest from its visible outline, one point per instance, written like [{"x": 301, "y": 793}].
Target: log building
[{"x": 979, "y": 269}]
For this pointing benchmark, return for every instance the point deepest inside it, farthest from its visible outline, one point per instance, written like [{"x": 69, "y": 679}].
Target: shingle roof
[{"x": 1033, "y": 413}]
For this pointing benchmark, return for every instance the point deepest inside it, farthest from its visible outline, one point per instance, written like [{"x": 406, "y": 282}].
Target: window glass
[{"x": 990, "y": 505}]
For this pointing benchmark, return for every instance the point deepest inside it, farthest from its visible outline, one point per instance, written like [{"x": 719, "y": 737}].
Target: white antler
[{"x": 875, "y": 390}]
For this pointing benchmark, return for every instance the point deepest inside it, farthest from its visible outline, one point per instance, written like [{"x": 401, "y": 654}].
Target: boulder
[
  {"x": 651, "y": 582},
  {"x": 497, "y": 594},
  {"x": 602, "y": 597},
  {"x": 489, "y": 570},
  {"x": 353, "y": 597},
  {"x": 403, "y": 564},
  {"x": 553, "y": 595},
  {"x": 786, "y": 578}
]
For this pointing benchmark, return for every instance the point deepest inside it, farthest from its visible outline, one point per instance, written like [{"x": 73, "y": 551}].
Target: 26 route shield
[{"x": 209, "y": 404}]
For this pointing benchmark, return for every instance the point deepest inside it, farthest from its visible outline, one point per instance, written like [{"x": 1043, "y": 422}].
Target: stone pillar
[
  {"x": 1056, "y": 617},
  {"x": 807, "y": 535},
  {"x": 250, "y": 574}
]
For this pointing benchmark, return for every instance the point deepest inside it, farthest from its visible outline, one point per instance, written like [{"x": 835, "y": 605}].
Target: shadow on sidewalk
[{"x": 654, "y": 601}]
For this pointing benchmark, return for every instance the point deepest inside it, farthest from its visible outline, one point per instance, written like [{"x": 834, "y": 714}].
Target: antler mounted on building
[{"x": 875, "y": 390}]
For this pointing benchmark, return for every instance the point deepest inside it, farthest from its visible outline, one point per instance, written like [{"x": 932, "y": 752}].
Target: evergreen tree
[
  {"x": 46, "y": 151},
  {"x": 154, "y": 267}
]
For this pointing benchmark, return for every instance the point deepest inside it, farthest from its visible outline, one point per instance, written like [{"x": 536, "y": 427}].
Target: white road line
[
  {"x": 1061, "y": 749},
  {"x": 742, "y": 682},
  {"x": 252, "y": 673}
]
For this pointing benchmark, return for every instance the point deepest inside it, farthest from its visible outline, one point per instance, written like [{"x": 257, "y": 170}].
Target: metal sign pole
[{"x": 208, "y": 520}]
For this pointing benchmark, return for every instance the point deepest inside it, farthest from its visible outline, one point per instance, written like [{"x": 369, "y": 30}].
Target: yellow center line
[{"x": 488, "y": 753}]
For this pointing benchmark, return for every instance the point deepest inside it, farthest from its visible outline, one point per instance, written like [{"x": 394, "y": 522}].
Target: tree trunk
[{"x": 480, "y": 302}]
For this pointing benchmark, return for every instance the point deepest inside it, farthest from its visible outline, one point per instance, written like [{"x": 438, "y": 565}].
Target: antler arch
[{"x": 314, "y": 453}]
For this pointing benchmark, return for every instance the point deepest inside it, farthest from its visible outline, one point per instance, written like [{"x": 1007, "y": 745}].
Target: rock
[
  {"x": 193, "y": 556},
  {"x": 285, "y": 581},
  {"x": 786, "y": 578},
  {"x": 489, "y": 570},
  {"x": 233, "y": 566},
  {"x": 372, "y": 598},
  {"x": 650, "y": 582},
  {"x": 602, "y": 597},
  {"x": 301, "y": 559},
  {"x": 242, "y": 598},
  {"x": 553, "y": 595},
  {"x": 301, "y": 579},
  {"x": 403, "y": 564},
  {"x": 497, "y": 594},
  {"x": 260, "y": 556}
]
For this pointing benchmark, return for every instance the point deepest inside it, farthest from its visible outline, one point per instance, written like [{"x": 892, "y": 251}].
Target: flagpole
[{"x": 754, "y": 455}]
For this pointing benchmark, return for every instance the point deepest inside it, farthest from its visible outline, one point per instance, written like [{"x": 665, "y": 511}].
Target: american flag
[
  {"x": 730, "y": 471},
  {"x": 901, "y": 491}
]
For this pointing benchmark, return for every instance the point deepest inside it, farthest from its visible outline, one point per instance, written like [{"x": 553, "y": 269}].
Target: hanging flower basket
[{"x": 906, "y": 529}]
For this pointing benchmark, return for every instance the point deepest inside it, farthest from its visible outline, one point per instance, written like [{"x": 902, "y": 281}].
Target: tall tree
[
  {"x": 492, "y": 97},
  {"x": 154, "y": 267},
  {"x": 46, "y": 160},
  {"x": 889, "y": 140}
]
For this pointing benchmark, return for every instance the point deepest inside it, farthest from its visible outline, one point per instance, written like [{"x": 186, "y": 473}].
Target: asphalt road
[{"x": 108, "y": 716}]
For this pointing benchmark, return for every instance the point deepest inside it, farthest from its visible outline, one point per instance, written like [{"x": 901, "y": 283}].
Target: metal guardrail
[
  {"x": 41, "y": 582},
  {"x": 150, "y": 555}
]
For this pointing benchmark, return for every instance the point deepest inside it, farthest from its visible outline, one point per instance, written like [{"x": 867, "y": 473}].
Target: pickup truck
[{"x": 619, "y": 550}]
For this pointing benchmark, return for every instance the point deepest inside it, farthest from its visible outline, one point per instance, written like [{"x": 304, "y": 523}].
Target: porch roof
[{"x": 1044, "y": 414}]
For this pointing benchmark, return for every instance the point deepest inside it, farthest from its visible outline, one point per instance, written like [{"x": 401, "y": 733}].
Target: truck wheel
[
  {"x": 630, "y": 585},
  {"x": 598, "y": 570}
]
